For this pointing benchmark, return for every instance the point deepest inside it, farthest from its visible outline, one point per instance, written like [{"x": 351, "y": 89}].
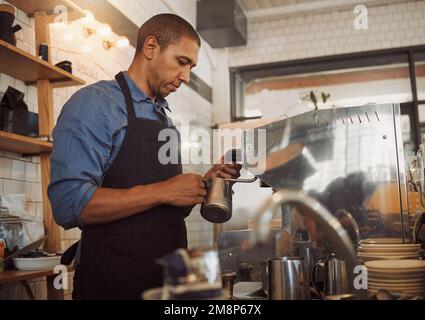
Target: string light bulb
[
  {"x": 122, "y": 42},
  {"x": 59, "y": 26},
  {"x": 104, "y": 30},
  {"x": 89, "y": 18},
  {"x": 89, "y": 24}
]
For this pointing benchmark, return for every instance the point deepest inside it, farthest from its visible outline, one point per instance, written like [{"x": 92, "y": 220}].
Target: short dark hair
[{"x": 167, "y": 28}]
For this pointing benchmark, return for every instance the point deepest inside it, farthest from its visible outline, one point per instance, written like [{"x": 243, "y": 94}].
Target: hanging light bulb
[
  {"x": 89, "y": 24},
  {"x": 107, "y": 44},
  {"x": 104, "y": 30},
  {"x": 59, "y": 26},
  {"x": 89, "y": 18},
  {"x": 88, "y": 31},
  {"x": 122, "y": 42}
]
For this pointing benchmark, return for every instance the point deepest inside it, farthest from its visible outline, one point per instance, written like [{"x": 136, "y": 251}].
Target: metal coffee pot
[
  {"x": 217, "y": 207},
  {"x": 330, "y": 276},
  {"x": 287, "y": 279}
]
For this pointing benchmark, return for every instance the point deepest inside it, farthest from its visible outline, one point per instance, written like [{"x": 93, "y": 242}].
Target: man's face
[{"x": 172, "y": 66}]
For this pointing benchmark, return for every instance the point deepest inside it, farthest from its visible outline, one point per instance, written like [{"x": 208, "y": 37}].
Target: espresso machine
[{"x": 345, "y": 163}]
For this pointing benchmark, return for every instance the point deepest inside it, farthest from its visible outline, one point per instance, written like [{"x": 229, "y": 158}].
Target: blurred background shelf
[{"x": 28, "y": 68}]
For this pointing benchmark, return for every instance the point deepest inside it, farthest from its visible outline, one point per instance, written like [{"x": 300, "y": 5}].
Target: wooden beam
[
  {"x": 42, "y": 32},
  {"x": 46, "y": 112},
  {"x": 53, "y": 241},
  {"x": 45, "y": 107}
]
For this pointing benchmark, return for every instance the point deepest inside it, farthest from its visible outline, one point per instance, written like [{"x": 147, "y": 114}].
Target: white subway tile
[
  {"x": 31, "y": 209},
  {"x": 6, "y": 81},
  {"x": 18, "y": 170},
  {"x": 36, "y": 159},
  {"x": 5, "y": 168},
  {"x": 39, "y": 210},
  {"x": 10, "y": 186},
  {"x": 36, "y": 192},
  {"x": 32, "y": 172}
]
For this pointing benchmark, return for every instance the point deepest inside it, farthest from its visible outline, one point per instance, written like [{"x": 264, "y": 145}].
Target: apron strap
[
  {"x": 127, "y": 95},
  {"x": 69, "y": 254}
]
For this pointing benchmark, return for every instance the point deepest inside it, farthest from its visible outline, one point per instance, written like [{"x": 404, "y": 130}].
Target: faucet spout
[{"x": 310, "y": 208}]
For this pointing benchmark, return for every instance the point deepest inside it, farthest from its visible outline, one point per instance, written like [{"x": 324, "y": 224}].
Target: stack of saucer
[
  {"x": 368, "y": 251},
  {"x": 397, "y": 276}
]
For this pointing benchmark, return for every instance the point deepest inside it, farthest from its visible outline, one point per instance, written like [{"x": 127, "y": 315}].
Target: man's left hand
[{"x": 227, "y": 171}]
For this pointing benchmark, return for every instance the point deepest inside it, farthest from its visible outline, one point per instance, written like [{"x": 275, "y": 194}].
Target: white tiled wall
[
  {"x": 323, "y": 34},
  {"x": 22, "y": 175}
]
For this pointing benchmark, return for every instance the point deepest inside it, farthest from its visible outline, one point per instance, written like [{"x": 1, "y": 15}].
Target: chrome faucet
[{"x": 311, "y": 208}]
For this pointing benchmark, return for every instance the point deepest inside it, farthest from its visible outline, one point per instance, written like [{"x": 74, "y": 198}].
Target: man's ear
[{"x": 150, "y": 47}]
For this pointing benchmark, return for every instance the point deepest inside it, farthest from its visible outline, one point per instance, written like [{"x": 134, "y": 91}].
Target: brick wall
[
  {"x": 22, "y": 175},
  {"x": 324, "y": 34}
]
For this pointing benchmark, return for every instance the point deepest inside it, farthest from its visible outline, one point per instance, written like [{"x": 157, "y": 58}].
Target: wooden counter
[{"x": 15, "y": 276}]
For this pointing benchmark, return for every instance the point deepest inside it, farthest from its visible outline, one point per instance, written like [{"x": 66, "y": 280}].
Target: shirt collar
[{"x": 138, "y": 95}]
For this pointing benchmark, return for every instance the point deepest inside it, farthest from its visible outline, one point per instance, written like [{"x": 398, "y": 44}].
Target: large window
[
  {"x": 289, "y": 95},
  {"x": 284, "y": 89}
]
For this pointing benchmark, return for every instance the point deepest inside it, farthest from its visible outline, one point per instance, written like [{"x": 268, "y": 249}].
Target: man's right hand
[{"x": 184, "y": 190}]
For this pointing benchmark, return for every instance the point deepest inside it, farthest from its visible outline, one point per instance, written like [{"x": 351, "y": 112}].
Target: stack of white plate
[
  {"x": 381, "y": 240},
  {"x": 397, "y": 276},
  {"x": 369, "y": 250}
]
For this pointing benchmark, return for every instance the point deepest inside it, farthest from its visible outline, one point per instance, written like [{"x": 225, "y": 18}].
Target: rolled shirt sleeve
[{"x": 83, "y": 140}]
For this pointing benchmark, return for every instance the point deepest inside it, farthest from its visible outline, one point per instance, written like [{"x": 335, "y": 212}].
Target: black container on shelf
[
  {"x": 14, "y": 114},
  {"x": 65, "y": 65},
  {"x": 7, "y": 17},
  {"x": 43, "y": 51}
]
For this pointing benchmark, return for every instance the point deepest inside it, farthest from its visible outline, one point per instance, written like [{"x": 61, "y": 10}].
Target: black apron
[{"x": 118, "y": 259}]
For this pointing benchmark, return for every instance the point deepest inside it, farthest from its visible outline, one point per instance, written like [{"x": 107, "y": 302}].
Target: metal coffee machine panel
[
  {"x": 348, "y": 159},
  {"x": 356, "y": 169}
]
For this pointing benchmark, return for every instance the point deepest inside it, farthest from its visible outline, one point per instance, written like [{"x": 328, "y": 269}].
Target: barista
[{"x": 106, "y": 175}]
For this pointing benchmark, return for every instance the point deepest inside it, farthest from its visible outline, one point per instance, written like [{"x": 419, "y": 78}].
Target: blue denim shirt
[{"x": 87, "y": 137}]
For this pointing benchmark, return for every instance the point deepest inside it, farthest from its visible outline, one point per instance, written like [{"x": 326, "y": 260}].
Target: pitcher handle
[
  {"x": 316, "y": 267},
  {"x": 242, "y": 180}
]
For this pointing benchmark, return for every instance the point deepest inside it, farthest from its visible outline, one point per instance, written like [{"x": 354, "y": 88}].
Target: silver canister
[
  {"x": 332, "y": 273},
  {"x": 288, "y": 279},
  {"x": 337, "y": 281},
  {"x": 217, "y": 207}
]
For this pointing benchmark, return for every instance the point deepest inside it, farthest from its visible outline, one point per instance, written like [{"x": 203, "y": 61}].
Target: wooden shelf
[
  {"x": 32, "y": 6},
  {"x": 24, "y": 145},
  {"x": 13, "y": 276},
  {"x": 16, "y": 276},
  {"x": 28, "y": 68}
]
